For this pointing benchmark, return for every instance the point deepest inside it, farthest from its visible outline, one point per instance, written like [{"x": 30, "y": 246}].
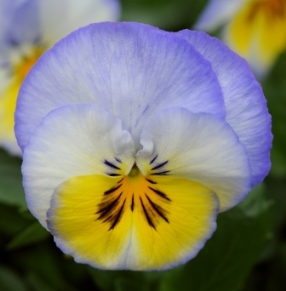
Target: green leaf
[
  {"x": 46, "y": 262},
  {"x": 274, "y": 88},
  {"x": 10, "y": 281},
  {"x": 11, "y": 189},
  {"x": 225, "y": 261},
  {"x": 37, "y": 283},
  {"x": 12, "y": 221},
  {"x": 34, "y": 233},
  {"x": 125, "y": 280}
]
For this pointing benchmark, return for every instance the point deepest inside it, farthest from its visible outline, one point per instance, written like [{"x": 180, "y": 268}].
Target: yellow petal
[
  {"x": 7, "y": 108},
  {"x": 258, "y": 31},
  {"x": 8, "y": 97},
  {"x": 132, "y": 222}
]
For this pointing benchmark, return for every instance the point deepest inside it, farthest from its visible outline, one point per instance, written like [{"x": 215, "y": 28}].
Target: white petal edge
[
  {"x": 129, "y": 69},
  {"x": 217, "y": 13},
  {"x": 71, "y": 141},
  {"x": 59, "y": 18},
  {"x": 245, "y": 104},
  {"x": 199, "y": 147}
]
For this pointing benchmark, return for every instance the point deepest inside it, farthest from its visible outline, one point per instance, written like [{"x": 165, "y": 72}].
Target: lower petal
[{"x": 134, "y": 222}]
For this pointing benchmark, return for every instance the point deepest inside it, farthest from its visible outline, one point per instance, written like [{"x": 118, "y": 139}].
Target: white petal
[
  {"x": 72, "y": 141},
  {"x": 199, "y": 147},
  {"x": 59, "y": 18},
  {"x": 217, "y": 13}
]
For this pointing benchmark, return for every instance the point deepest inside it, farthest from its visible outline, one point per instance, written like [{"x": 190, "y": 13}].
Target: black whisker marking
[
  {"x": 158, "y": 209},
  {"x": 160, "y": 173},
  {"x": 159, "y": 166},
  {"x": 112, "y": 190},
  {"x": 107, "y": 163},
  {"x": 120, "y": 181},
  {"x": 108, "y": 208},
  {"x": 150, "y": 222},
  {"x": 150, "y": 181},
  {"x": 161, "y": 194},
  {"x": 153, "y": 160},
  {"x": 132, "y": 203},
  {"x": 118, "y": 160},
  {"x": 113, "y": 174},
  {"x": 118, "y": 216},
  {"x": 108, "y": 218}
]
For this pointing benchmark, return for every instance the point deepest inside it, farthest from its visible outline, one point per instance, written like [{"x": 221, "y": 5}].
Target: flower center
[
  {"x": 25, "y": 61},
  {"x": 132, "y": 192},
  {"x": 134, "y": 171},
  {"x": 273, "y": 8}
]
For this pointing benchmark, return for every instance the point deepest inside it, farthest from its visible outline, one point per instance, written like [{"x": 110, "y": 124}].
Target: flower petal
[
  {"x": 258, "y": 34},
  {"x": 20, "y": 20},
  {"x": 245, "y": 105},
  {"x": 198, "y": 147},
  {"x": 217, "y": 13},
  {"x": 8, "y": 97},
  {"x": 129, "y": 69},
  {"x": 129, "y": 226},
  {"x": 24, "y": 22},
  {"x": 59, "y": 18},
  {"x": 72, "y": 141}
]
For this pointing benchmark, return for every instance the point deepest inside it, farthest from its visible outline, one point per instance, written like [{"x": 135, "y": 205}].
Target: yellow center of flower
[
  {"x": 132, "y": 191},
  {"x": 132, "y": 221},
  {"x": 21, "y": 65}
]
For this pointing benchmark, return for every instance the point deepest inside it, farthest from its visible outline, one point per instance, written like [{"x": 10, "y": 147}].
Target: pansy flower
[
  {"x": 255, "y": 29},
  {"x": 28, "y": 28},
  {"x": 135, "y": 138}
]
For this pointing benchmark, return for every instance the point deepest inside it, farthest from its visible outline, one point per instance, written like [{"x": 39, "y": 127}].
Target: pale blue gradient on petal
[
  {"x": 131, "y": 70},
  {"x": 245, "y": 104}
]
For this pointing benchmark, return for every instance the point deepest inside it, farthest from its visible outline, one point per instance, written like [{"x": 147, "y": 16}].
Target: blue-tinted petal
[
  {"x": 21, "y": 21},
  {"x": 131, "y": 70},
  {"x": 245, "y": 104}
]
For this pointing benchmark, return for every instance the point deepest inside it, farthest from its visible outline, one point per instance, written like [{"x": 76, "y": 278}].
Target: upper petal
[
  {"x": 128, "y": 69},
  {"x": 245, "y": 104},
  {"x": 71, "y": 141},
  {"x": 199, "y": 147},
  {"x": 217, "y": 13},
  {"x": 59, "y": 18}
]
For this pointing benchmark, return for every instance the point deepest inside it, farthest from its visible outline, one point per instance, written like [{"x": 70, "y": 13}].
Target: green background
[{"x": 246, "y": 253}]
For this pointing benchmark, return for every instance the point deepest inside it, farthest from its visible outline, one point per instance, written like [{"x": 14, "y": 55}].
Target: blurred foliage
[{"x": 246, "y": 253}]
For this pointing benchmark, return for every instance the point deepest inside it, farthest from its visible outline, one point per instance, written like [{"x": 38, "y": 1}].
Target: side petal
[
  {"x": 199, "y": 147},
  {"x": 129, "y": 226},
  {"x": 72, "y": 141},
  {"x": 245, "y": 104},
  {"x": 128, "y": 69},
  {"x": 217, "y": 13},
  {"x": 59, "y": 18}
]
